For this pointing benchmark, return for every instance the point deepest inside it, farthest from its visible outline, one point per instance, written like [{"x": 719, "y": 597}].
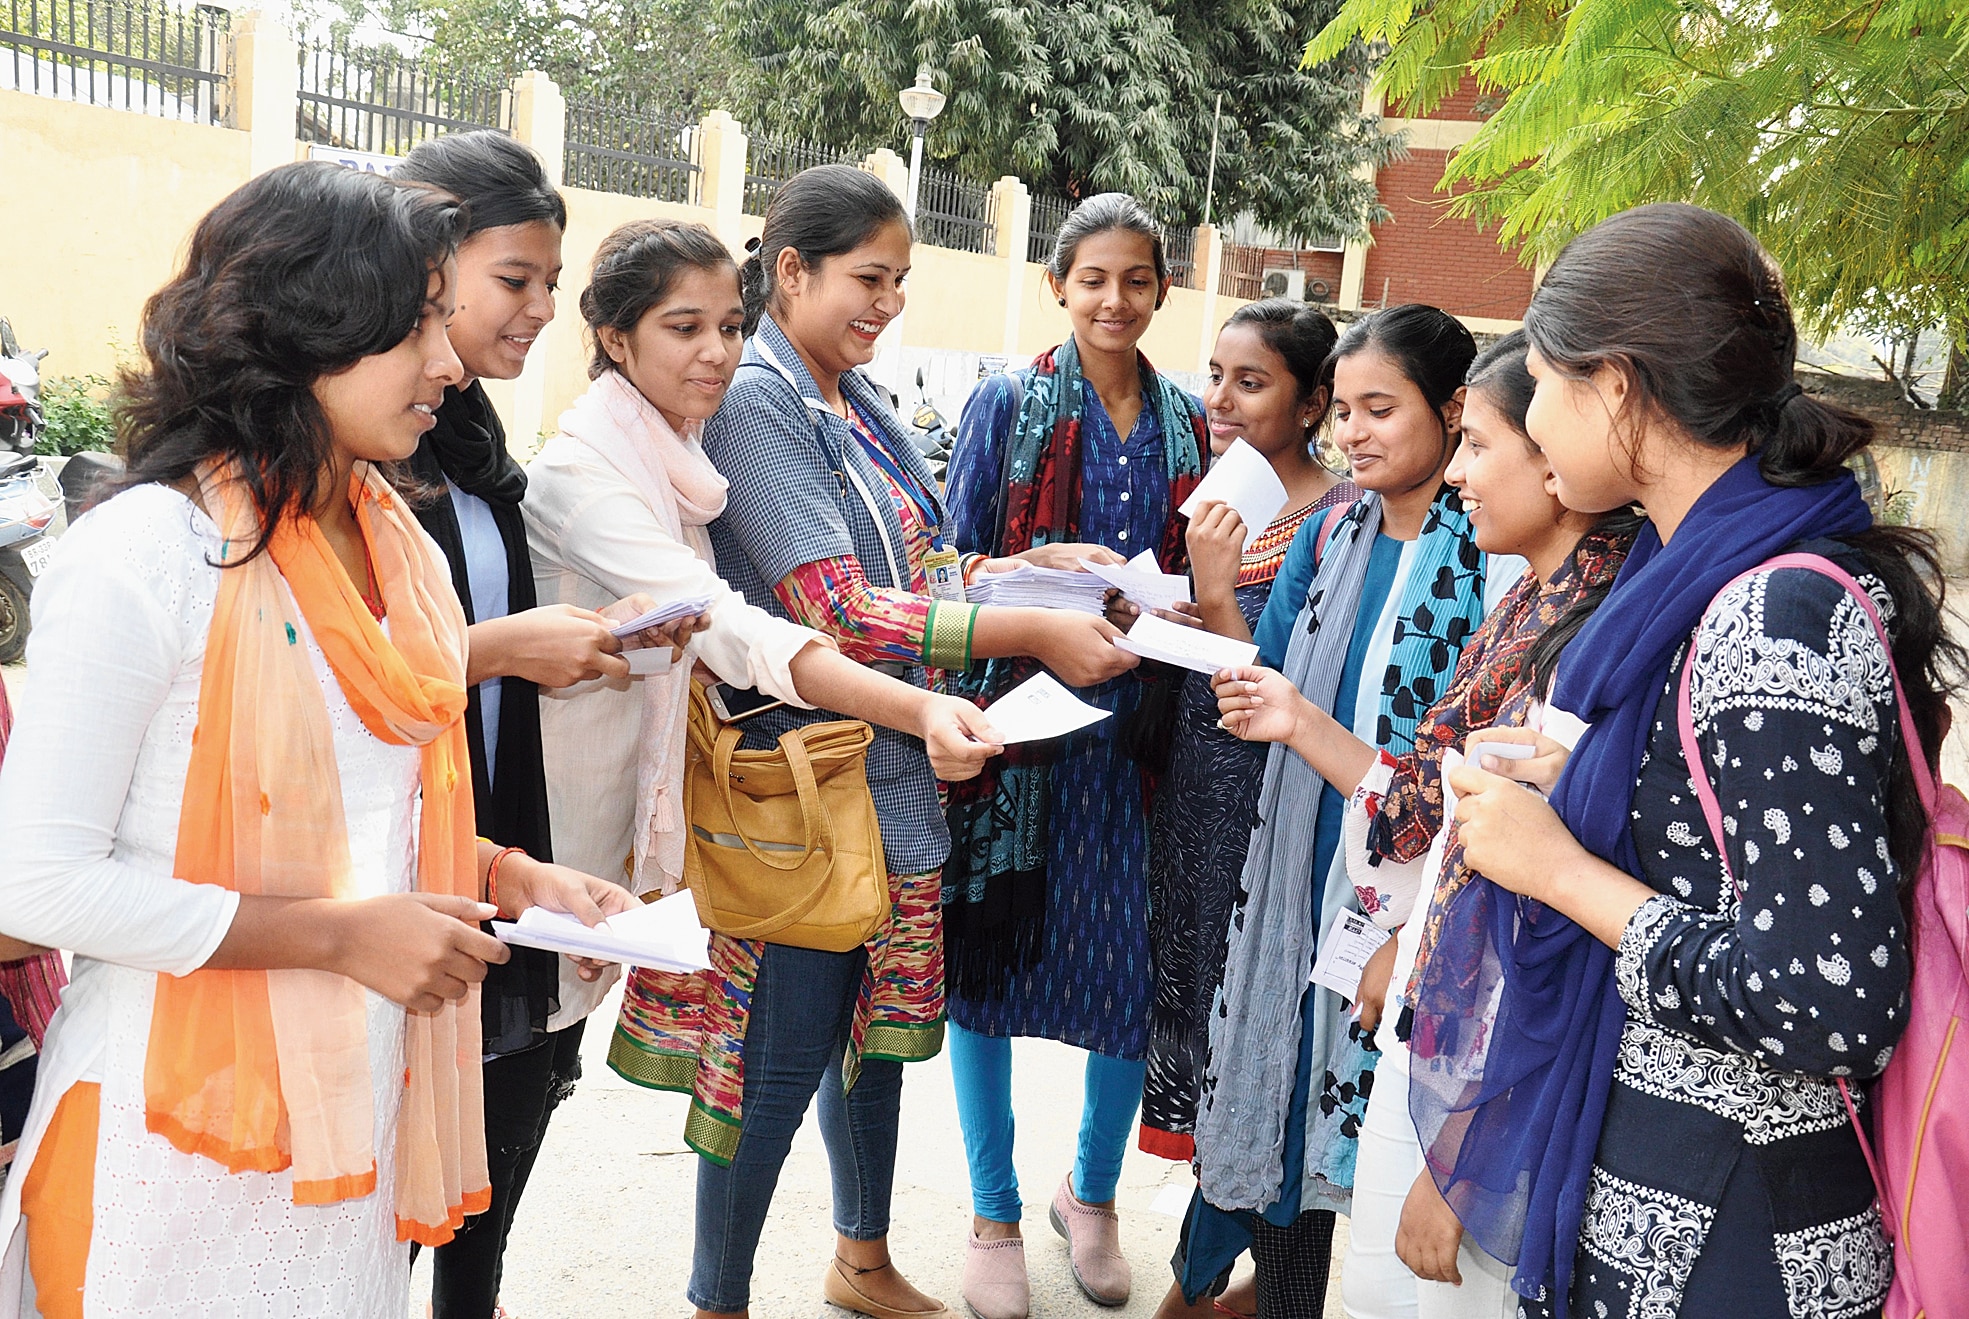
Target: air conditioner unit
[{"x": 1280, "y": 283}]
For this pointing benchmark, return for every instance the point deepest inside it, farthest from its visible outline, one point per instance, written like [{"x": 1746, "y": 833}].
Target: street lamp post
[{"x": 921, "y": 103}]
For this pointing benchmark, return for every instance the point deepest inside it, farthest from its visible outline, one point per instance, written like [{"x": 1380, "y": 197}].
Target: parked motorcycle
[
  {"x": 20, "y": 393},
  {"x": 931, "y": 433},
  {"x": 27, "y": 514}
]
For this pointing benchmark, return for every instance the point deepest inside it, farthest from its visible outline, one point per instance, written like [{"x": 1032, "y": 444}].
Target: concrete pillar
[
  {"x": 540, "y": 120},
  {"x": 1353, "y": 263},
  {"x": 721, "y": 158},
  {"x": 265, "y": 86},
  {"x": 1011, "y": 209},
  {"x": 892, "y": 169},
  {"x": 1209, "y": 270}
]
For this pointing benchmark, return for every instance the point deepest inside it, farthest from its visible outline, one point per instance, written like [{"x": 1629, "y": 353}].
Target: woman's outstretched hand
[
  {"x": 1258, "y": 704},
  {"x": 554, "y": 646},
  {"x": 1079, "y": 648},
  {"x": 959, "y": 738}
]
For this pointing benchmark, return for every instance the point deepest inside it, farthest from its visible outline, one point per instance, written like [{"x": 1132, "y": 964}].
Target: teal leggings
[{"x": 982, "y": 1068}]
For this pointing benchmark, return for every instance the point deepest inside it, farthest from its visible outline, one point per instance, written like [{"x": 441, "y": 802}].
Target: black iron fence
[
  {"x": 140, "y": 55},
  {"x": 1048, "y": 214},
  {"x": 770, "y": 162},
  {"x": 955, "y": 213},
  {"x": 1179, "y": 246},
  {"x": 388, "y": 103},
  {"x": 635, "y": 152}
]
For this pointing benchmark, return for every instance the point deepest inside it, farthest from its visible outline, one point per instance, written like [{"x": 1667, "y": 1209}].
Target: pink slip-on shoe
[
  {"x": 1094, "y": 1242},
  {"x": 995, "y": 1282}
]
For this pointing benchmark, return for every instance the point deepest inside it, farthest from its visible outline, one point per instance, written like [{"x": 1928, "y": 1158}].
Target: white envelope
[{"x": 1243, "y": 478}]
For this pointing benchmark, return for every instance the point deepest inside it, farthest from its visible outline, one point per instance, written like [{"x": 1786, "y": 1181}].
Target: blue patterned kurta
[{"x": 1091, "y": 986}]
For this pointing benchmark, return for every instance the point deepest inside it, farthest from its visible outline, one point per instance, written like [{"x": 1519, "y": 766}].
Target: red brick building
[{"x": 1421, "y": 253}]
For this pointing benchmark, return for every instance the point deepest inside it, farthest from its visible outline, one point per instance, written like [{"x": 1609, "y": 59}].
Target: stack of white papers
[
  {"x": 663, "y": 935},
  {"x": 667, "y": 613},
  {"x": 1243, "y": 478},
  {"x": 1039, "y": 708},
  {"x": 1142, "y": 581},
  {"x": 1187, "y": 647},
  {"x": 647, "y": 660},
  {"x": 1030, "y": 587}
]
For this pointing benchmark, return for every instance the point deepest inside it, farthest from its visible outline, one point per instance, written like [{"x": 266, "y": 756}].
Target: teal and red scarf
[{"x": 994, "y": 884}]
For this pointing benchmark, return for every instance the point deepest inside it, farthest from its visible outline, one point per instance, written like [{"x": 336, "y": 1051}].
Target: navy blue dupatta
[{"x": 1509, "y": 1108}]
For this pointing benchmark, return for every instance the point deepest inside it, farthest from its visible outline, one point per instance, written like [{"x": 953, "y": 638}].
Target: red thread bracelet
[{"x": 492, "y": 873}]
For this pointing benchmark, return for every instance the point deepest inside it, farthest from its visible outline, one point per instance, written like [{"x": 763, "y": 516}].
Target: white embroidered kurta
[{"x": 89, "y": 805}]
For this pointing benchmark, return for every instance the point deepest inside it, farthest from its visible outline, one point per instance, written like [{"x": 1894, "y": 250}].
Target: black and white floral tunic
[{"x": 1728, "y": 1181}]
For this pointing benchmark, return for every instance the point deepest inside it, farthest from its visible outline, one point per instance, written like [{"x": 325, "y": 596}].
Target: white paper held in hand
[
  {"x": 1142, "y": 581},
  {"x": 664, "y": 613},
  {"x": 1040, "y": 708},
  {"x": 663, "y": 935},
  {"x": 1344, "y": 952},
  {"x": 1243, "y": 478},
  {"x": 1188, "y": 647}
]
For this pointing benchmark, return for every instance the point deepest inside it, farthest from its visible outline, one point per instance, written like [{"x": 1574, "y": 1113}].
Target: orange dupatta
[{"x": 269, "y": 1070}]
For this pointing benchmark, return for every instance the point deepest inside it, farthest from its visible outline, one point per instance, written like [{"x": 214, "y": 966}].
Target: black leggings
[
  {"x": 521, "y": 1092},
  {"x": 1293, "y": 1263}
]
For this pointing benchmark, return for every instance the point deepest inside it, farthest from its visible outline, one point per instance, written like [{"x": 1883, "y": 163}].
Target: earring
[{"x": 1063, "y": 302}]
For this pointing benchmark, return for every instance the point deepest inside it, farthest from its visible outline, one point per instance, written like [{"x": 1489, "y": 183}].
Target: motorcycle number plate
[{"x": 37, "y": 555}]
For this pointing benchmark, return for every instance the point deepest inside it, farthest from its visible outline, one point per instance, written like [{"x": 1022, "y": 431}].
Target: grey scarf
[{"x": 1255, "y": 1022}]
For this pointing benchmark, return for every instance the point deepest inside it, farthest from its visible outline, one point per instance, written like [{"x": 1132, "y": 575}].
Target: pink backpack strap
[
  {"x": 1325, "y": 533},
  {"x": 1712, "y": 810}
]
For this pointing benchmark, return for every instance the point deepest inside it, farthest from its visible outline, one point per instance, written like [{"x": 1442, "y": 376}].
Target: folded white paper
[
  {"x": 663, "y": 935},
  {"x": 1243, "y": 478},
  {"x": 1142, "y": 581},
  {"x": 1031, "y": 587},
  {"x": 1189, "y": 647},
  {"x": 1040, "y": 708},
  {"x": 647, "y": 660},
  {"x": 1344, "y": 952},
  {"x": 665, "y": 613}
]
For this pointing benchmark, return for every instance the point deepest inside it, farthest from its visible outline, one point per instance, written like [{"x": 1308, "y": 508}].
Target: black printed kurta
[{"x": 1728, "y": 1181}]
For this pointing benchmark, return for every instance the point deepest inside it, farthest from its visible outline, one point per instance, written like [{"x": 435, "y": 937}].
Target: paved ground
[{"x": 605, "y": 1228}]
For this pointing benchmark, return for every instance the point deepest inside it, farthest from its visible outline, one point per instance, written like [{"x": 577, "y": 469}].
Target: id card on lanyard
[
  {"x": 940, "y": 565},
  {"x": 940, "y": 562}
]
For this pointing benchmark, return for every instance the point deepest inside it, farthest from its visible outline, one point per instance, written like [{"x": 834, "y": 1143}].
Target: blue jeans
[
  {"x": 982, "y": 1068},
  {"x": 803, "y": 1007}
]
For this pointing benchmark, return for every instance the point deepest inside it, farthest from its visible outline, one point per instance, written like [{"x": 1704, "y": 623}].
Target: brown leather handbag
[{"x": 784, "y": 845}]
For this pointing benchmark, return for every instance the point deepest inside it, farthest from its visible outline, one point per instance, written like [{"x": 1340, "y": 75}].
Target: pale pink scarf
[{"x": 685, "y": 492}]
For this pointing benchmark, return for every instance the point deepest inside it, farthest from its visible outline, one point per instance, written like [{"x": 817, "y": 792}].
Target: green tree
[
  {"x": 1837, "y": 131},
  {"x": 1082, "y": 96},
  {"x": 662, "y": 53}
]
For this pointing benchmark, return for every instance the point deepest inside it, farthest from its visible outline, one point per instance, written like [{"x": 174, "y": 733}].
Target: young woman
[
  {"x": 236, "y": 1113},
  {"x": 508, "y": 264},
  {"x": 1398, "y": 809},
  {"x": 1395, "y": 588},
  {"x": 1047, "y": 917},
  {"x": 1679, "y": 1009},
  {"x": 832, "y": 521},
  {"x": 1265, "y": 389}
]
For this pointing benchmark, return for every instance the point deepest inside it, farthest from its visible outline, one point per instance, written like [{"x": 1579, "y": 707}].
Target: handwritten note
[
  {"x": 1040, "y": 708},
  {"x": 1243, "y": 478},
  {"x": 1188, "y": 647}
]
